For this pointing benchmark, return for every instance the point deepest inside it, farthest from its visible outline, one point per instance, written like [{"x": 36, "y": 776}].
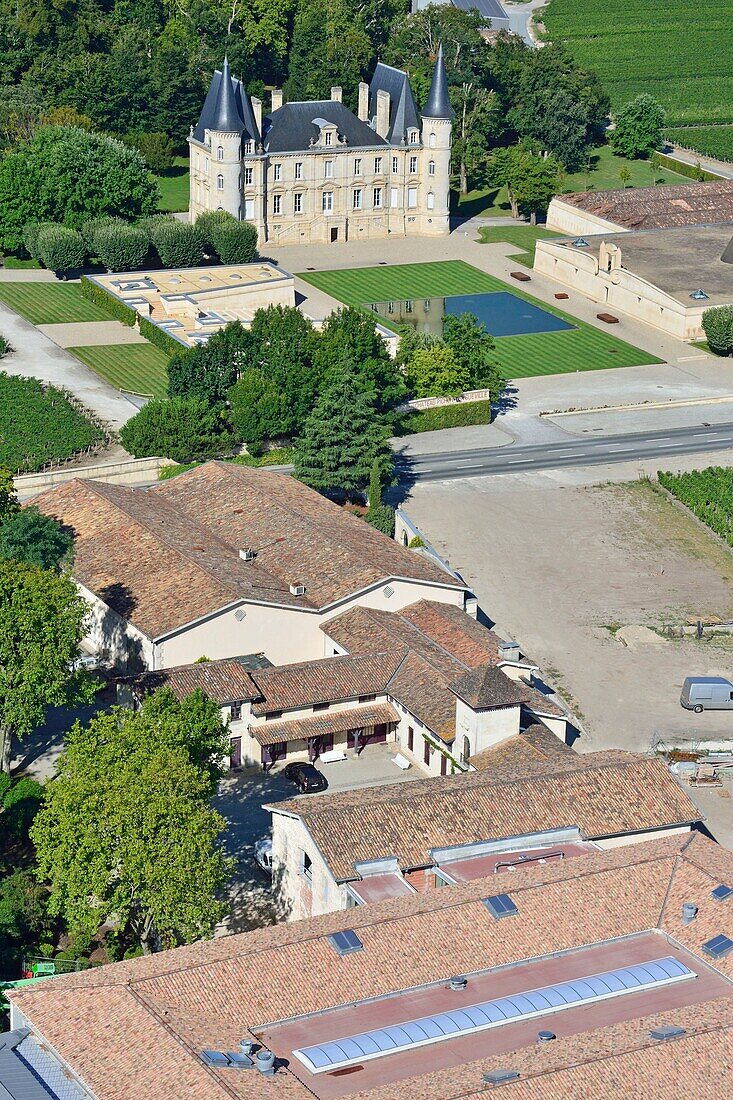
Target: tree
[
  {"x": 639, "y": 127},
  {"x": 258, "y": 408},
  {"x": 8, "y": 500},
  {"x": 209, "y": 371},
  {"x": 32, "y": 537},
  {"x": 341, "y": 439},
  {"x": 625, "y": 176},
  {"x": 717, "y": 323},
  {"x": 436, "y": 372},
  {"x": 559, "y": 123},
  {"x": 474, "y": 348},
  {"x": 380, "y": 515},
  {"x": 178, "y": 244},
  {"x": 351, "y": 334},
  {"x": 120, "y": 246},
  {"x": 531, "y": 179},
  {"x": 68, "y": 175},
  {"x": 156, "y": 150},
  {"x": 479, "y": 122},
  {"x": 283, "y": 345},
  {"x": 127, "y": 829},
  {"x": 61, "y": 249},
  {"x": 328, "y": 37},
  {"x": 234, "y": 242},
  {"x": 183, "y": 428},
  {"x": 42, "y": 622}
]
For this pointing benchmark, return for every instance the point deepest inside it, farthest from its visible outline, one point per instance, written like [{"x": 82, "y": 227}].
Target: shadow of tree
[{"x": 113, "y": 638}]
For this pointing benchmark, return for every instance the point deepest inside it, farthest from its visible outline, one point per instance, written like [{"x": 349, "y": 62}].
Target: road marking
[{"x": 469, "y": 466}]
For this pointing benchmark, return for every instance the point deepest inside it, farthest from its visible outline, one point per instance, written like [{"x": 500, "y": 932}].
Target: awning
[{"x": 320, "y": 725}]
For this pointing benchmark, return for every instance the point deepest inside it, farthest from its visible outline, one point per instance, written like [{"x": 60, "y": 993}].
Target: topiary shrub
[
  {"x": 178, "y": 244},
  {"x": 208, "y": 222},
  {"x": 31, "y": 233},
  {"x": 121, "y": 246},
  {"x": 61, "y": 249},
  {"x": 235, "y": 242},
  {"x": 183, "y": 429},
  {"x": 717, "y": 323},
  {"x": 90, "y": 228}
]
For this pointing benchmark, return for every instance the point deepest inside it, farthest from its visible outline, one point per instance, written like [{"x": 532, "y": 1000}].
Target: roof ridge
[{"x": 432, "y": 641}]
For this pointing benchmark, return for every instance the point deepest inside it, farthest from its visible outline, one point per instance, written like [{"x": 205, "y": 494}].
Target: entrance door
[
  {"x": 410, "y": 738},
  {"x": 334, "y": 234},
  {"x": 325, "y": 743},
  {"x": 235, "y": 752},
  {"x": 380, "y": 733}
]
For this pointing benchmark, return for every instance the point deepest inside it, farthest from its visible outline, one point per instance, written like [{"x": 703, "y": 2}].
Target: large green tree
[
  {"x": 68, "y": 175},
  {"x": 184, "y": 428},
  {"x": 639, "y": 128},
  {"x": 127, "y": 830},
  {"x": 436, "y": 372},
  {"x": 42, "y": 622},
  {"x": 35, "y": 538},
  {"x": 209, "y": 371},
  {"x": 351, "y": 334},
  {"x": 475, "y": 350},
  {"x": 341, "y": 438},
  {"x": 530, "y": 178}
]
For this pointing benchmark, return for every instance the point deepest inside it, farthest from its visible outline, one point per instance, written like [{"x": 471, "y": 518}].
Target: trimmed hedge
[
  {"x": 160, "y": 338},
  {"x": 178, "y": 244},
  {"x": 61, "y": 249},
  {"x": 692, "y": 171},
  {"x": 443, "y": 416},
  {"x": 207, "y": 223},
  {"x": 121, "y": 246},
  {"x": 717, "y": 323},
  {"x": 107, "y": 302},
  {"x": 235, "y": 242}
]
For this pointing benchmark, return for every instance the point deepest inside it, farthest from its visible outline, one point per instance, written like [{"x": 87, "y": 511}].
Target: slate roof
[
  {"x": 683, "y": 204},
  {"x": 491, "y": 10},
  {"x": 227, "y": 681},
  {"x": 20, "y": 1054},
  {"x": 320, "y": 725},
  {"x": 403, "y": 113},
  {"x": 188, "y": 532},
  {"x": 133, "y": 1029},
  {"x": 291, "y": 128},
  {"x": 438, "y": 104},
  {"x": 328, "y": 680},
  {"x": 535, "y": 743},
  {"x": 603, "y": 794},
  {"x": 230, "y": 107}
]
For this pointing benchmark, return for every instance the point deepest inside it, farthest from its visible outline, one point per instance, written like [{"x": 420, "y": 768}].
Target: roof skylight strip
[{"x": 354, "y": 1049}]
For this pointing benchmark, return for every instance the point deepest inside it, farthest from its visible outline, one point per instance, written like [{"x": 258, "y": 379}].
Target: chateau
[{"x": 315, "y": 172}]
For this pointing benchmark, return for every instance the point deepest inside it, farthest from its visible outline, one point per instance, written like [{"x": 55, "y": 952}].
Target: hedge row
[
  {"x": 443, "y": 416},
  {"x": 159, "y": 337},
  {"x": 108, "y": 302},
  {"x": 692, "y": 171}
]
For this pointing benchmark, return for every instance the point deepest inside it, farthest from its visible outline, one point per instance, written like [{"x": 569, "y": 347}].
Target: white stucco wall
[
  {"x": 634, "y": 838},
  {"x": 300, "y": 896},
  {"x": 566, "y": 218},
  {"x": 484, "y": 728},
  {"x": 113, "y": 638}
]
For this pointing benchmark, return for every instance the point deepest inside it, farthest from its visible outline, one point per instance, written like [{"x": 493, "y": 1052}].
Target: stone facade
[{"x": 316, "y": 172}]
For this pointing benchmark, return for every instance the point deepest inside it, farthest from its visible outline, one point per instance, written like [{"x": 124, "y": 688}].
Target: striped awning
[{"x": 321, "y": 725}]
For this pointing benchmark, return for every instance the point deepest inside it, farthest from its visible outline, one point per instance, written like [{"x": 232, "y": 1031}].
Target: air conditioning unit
[
  {"x": 297, "y": 590},
  {"x": 248, "y": 554}
]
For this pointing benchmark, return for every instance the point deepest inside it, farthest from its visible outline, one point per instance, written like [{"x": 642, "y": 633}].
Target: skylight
[
  {"x": 718, "y": 947},
  {"x": 345, "y": 942},
  {"x": 722, "y": 892},
  {"x": 353, "y": 1049},
  {"x": 500, "y": 905}
]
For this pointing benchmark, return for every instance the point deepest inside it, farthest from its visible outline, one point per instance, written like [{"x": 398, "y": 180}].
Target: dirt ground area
[{"x": 572, "y": 572}]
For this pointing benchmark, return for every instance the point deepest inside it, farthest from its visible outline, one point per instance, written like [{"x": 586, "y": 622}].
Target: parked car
[
  {"x": 701, "y": 693},
  {"x": 263, "y": 854},
  {"x": 307, "y": 778}
]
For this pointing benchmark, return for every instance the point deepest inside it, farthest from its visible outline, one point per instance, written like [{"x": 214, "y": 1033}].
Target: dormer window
[
  {"x": 328, "y": 137},
  {"x": 248, "y": 146},
  {"x": 413, "y": 137}
]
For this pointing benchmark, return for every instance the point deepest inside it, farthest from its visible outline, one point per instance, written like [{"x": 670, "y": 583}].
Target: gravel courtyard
[{"x": 570, "y": 571}]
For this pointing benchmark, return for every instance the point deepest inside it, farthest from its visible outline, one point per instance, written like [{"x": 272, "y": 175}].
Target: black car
[{"x": 307, "y": 778}]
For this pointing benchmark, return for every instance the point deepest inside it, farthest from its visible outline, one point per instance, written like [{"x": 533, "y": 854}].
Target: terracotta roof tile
[
  {"x": 682, "y": 204},
  {"x": 602, "y": 794},
  {"x": 534, "y": 743},
  {"x": 487, "y": 686},
  {"x": 327, "y": 680},
  {"x": 320, "y": 725},
  {"x": 226, "y": 681}
]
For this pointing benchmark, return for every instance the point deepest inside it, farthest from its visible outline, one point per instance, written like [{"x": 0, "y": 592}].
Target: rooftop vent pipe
[
  {"x": 546, "y": 1036},
  {"x": 265, "y": 1062},
  {"x": 689, "y": 912},
  {"x": 458, "y": 983}
]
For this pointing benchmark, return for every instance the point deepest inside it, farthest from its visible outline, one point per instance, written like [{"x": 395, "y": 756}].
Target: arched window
[
  {"x": 431, "y": 141},
  {"x": 220, "y": 153},
  {"x": 220, "y": 183},
  {"x": 431, "y": 200},
  {"x": 431, "y": 167}
]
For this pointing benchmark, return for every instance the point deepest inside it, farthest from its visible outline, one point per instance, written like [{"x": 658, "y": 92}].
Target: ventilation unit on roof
[
  {"x": 699, "y": 295},
  {"x": 667, "y": 1031},
  {"x": 388, "y": 591},
  {"x": 500, "y": 1076},
  {"x": 689, "y": 912},
  {"x": 239, "y": 1060},
  {"x": 580, "y": 242},
  {"x": 247, "y": 553},
  {"x": 265, "y": 1062},
  {"x": 546, "y": 1036},
  {"x": 297, "y": 590},
  {"x": 509, "y": 651},
  {"x": 500, "y": 905},
  {"x": 346, "y": 942},
  {"x": 718, "y": 947},
  {"x": 214, "y": 1058},
  {"x": 459, "y": 982},
  {"x": 722, "y": 892}
]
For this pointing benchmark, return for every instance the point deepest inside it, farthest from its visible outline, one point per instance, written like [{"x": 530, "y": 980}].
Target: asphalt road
[{"x": 574, "y": 452}]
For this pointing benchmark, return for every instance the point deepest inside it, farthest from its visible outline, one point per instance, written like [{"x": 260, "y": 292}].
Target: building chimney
[
  {"x": 382, "y": 113},
  {"x": 363, "y": 111},
  {"x": 277, "y": 98},
  {"x": 337, "y": 94},
  {"x": 257, "y": 112}
]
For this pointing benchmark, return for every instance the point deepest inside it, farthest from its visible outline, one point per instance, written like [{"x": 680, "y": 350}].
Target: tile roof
[
  {"x": 133, "y": 1029},
  {"x": 486, "y": 687},
  {"x": 189, "y": 531},
  {"x": 603, "y": 794},
  {"x": 460, "y": 634},
  {"x": 327, "y": 680},
  {"x": 534, "y": 743},
  {"x": 662, "y": 207},
  {"x": 226, "y": 681},
  {"x": 320, "y": 725}
]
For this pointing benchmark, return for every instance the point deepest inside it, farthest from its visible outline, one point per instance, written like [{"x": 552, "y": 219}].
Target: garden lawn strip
[
  {"x": 581, "y": 348},
  {"x": 134, "y": 368},
  {"x": 50, "y": 303}
]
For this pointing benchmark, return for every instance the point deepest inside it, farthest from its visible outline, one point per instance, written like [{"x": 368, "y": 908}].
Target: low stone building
[{"x": 677, "y": 205}]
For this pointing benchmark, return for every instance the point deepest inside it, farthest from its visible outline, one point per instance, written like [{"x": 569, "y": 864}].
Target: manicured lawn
[
  {"x": 173, "y": 186},
  {"x": 50, "y": 303},
  {"x": 135, "y": 368},
  {"x": 14, "y": 264},
  {"x": 525, "y": 237},
  {"x": 579, "y": 349}
]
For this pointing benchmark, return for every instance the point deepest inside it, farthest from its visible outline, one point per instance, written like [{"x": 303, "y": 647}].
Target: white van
[
  {"x": 263, "y": 854},
  {"x": 701, "y": 693}
]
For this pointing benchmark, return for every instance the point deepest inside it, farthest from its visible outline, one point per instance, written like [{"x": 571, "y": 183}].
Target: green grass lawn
[
  {"x": 579, "y": 349},
  {"x": 135, "y": 368},
  {"x": 525, "y": 237},
  {"x": 173, "y": 186},
  {"x": 14, "y": 264},
  {"x": 50, "y": 303}
]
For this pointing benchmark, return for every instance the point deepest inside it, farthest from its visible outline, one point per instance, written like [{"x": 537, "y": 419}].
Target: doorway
[
  {"x": 334, "y": 234},
  {"x": 235, "y": 752}
]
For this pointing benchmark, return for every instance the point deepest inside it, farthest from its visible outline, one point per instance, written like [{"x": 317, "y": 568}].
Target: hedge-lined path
[{"x": 91, "y": 333}]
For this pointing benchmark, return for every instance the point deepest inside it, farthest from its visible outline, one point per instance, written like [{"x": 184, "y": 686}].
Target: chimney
[
  {"x": 382, "y": 113},
  {"x": 277, "y": 98},
  {"x": 363, "y": 111},
  {"x": 336, "y": 94},
  {"x": 257, "y": 112}
]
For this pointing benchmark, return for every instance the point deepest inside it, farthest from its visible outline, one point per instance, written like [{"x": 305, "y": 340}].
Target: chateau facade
[{"x": 316, "y": 172}]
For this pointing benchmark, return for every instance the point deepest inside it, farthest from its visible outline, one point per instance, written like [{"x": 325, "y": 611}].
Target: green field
[
  {"x": 173, "y": 186},
  {"x": 524, "y": 237},
  {"x": 135, "y": 368},
  {"x": 579, "y": 349},
  {"x": 677, "y": 54},
  {"x": 50, "y": 303},
  {"x": 708, "y": 493},
  {"x": 40, "y": 425},
  {"x": 712, "y": 141}
]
